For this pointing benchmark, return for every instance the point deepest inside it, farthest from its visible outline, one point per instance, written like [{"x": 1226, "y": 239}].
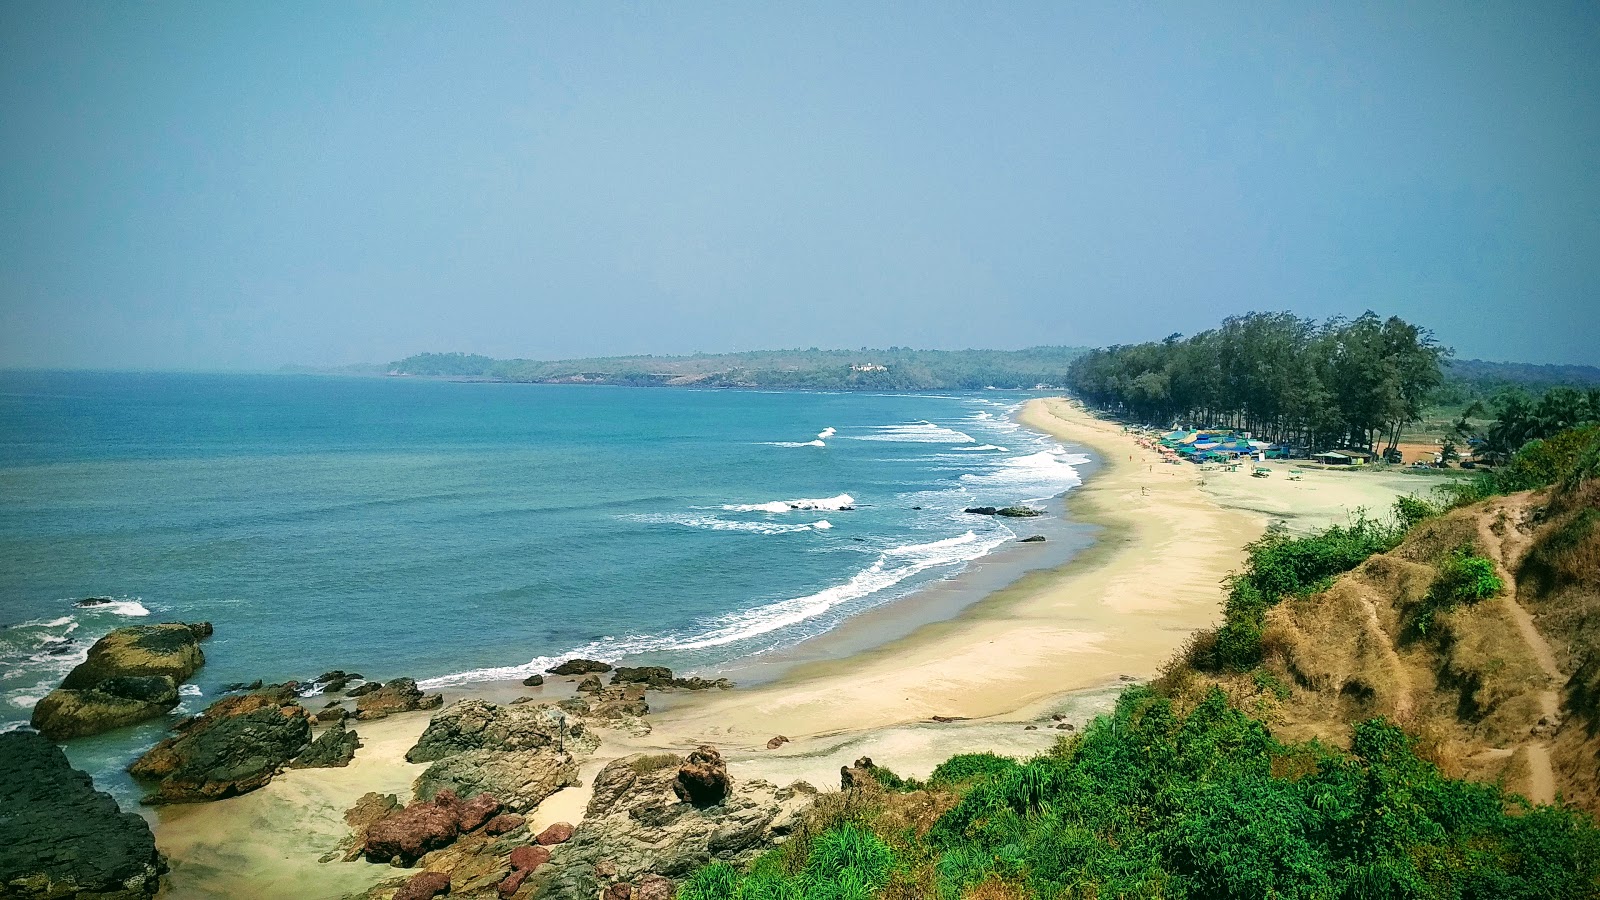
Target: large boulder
[
  {"x": 397, "y": 696},
  {"x": 481, "y": 725},
  {"x": 520, "y": 779},
  {"x": 111, "y": 703},
  {"x": 703, "y": 778},
  {"x": 333, "y": 748},
  {"x": 406, "y": 834},
  {"x": 636, "y": 829},
  {"x": 236, "y": 746},
  {"x": 61, "y": 838},
  {"x": 661, "y": 678},
  {"x": 580, "y": 667},
  {"x": 171, "y": 649}
]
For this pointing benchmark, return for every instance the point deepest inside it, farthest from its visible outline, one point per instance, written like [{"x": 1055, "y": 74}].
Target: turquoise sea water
[{"x": 457, "y": 532}]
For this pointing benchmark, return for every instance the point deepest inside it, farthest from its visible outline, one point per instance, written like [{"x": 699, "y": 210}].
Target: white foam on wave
[
  {"x": 923, "y": 432},
  {"x": 132, "y": 608},
  {"x": 890, "y": 568},
  {"x": 978, "y": 448},
  {"x": 1047, "y": 470},
  {"x": 826, "y": 433},
  {"x": 822, "y": 436},
  {"x": 842, "y": 501},
  {"x": 715, "y": 523},
  {"x": 189, "y": 690}
]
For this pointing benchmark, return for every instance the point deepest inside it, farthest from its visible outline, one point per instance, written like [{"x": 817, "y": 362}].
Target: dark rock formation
[
  {"x": 332, "y": 714},
  {"x": 533, "y": 681},
  {"x": 505, "y": 823},
  {"x": 112, "y": 703},
  {"x": 171, "y": 649},
  {"x": 475, "y": 812},
  {"x": 520, "y": 778},
  {"x": 402, "y": 836},
  {"x": 589, "y": 685},
  {"x": 524, "y": 860},
  {"x": 480, "y": 725},
  {"x": 860, "y": 775},
  {"x": 334, "y": 748},
  {"x": 61, "y": 838},
  {"x": 397, "y": 696},
  {"x": 237, "y": 745},
  {"x": 1018, "y": 512},
  {"x": 660, "y": 678},
  {"x": 423, "y": 886},
  {"x": 1031, "y": 539},
  {"x": 982, "y": 510},
  {"x": 364, "y": 688},
  {"x": 580, "y": 667},
  {"x": 777, "y": 742},
  {"x": 703, "y": 778}
]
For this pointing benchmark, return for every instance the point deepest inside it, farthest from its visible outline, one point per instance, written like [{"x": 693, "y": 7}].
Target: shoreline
[{"x": 1061, "y": 640}]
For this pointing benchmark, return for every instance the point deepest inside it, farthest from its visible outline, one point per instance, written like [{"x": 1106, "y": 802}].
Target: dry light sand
[{"x": 1059, "y": 642}]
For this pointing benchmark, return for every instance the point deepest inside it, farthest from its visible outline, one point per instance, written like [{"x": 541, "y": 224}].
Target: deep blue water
[{"x": 453, "y": 531}]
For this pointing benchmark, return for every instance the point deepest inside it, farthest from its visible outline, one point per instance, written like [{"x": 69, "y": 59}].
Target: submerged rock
[
  {"x": 112, "y": 703},
  {"x": 333, "y": 748},
  {"x": 1031, "y": 539},
  {"x": 397, "y": 696},
  {"x": 237, "y": 745},
  {"x": 60, "y": 838},
  {"x": 581, "y": 667},
  {"x": 1018, "y": 512}
]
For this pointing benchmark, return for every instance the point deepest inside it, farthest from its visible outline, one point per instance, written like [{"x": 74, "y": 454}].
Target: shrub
[
  {"x": 1464, "y": 578},
  {"x": 970, "y": 767}
]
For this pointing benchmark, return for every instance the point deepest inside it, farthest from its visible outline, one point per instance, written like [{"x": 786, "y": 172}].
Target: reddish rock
[
  {"x": 703, "y": 778},
  {"x": 529, "y": 857},
  {"x": 777, "y": 742},
  {"x": 655, "y": 887},
  {"x": 505, "y": 823},
  {"x": 476, "y": 811},
  {"x": 605, "y": 868},
  {"x": 424, "y": 886},
  {"x": 514, "y": 881},
  {"x": 620, "y": 890},
  {"x": 558, "y": 833},
  {"x": 413, "y": 831}
]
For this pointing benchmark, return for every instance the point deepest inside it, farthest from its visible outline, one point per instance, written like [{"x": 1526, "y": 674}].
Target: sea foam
[{"x": 842, "y": 501}]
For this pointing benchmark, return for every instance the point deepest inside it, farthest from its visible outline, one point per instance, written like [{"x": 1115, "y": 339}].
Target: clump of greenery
[
  {"x": 1411, "y": 510},
  {"x": 1279, "y": 566},
  {"x": 970, "y": 767},
  {"x": 1464, "y": 578},
  {"x": 1565, "y": 459},
  {"x": 848, "y": 862}
]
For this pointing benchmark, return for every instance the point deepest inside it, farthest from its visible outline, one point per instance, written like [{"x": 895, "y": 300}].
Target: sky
[{"x": 247, "y": 185}]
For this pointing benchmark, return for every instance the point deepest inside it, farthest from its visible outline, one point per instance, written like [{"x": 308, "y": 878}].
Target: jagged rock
[
  {"x": 556, "y": 833},
  {"x": 521, "y": 779},
  {"x": 505, "y": 823},
  {"x": 335, "y": 681},
  {"x": 1032, "y": 539},
  {"x": 580, "y": 667},
  {"x": 589, "y": 685},
  {"x": 112, "y": 703},
  {"x": 524, "y": 860},
  {"x": 171, "y": 649},
  {"x": 397, "y": 696},
  {"x": 859, "y": 775},
  {"x": 1018, "y": 512},
  {"x": 334, "y": 748},
  {"x": 620, "y": 890},
  {"x": 776, "y": 742},
  {"x": 61, "y": 838},
  {"x": 423, "y": 886},
  {"x": 982, "y": 510},
  {"x": 533, "y": 681},
  {"x": 703, "y": 778},
  {"x": 475, "y": 812},
  {"x": 332, "y": 714},
  {"x": 238, "y": 744},
  {"x": 655, "y": 887},
  {"x": 636, "y": 827},
  {"x": 364, "y": 688},
  {"x": 661, "y": 678},
  {"x": 406, "y": 834},
  {"x": 480, "y": 725}
]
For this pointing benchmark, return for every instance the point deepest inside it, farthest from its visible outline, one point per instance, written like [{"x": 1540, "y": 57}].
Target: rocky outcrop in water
[
  {"x": 60, "y": 838},
  {"x": 1009, "y": 512},
  {"x": 580, "y": 667},
  {"x": 397, "y": 696},
  {"x": 661, "y": 678},
  {"x": 237, "y": 745},
  {"x": 130, "y": 675}
]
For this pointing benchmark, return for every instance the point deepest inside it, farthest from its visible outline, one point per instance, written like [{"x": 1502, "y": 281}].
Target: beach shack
[{"x": 1342, "y": 457}]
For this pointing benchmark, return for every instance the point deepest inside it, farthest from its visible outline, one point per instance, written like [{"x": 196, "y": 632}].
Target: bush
[
  {"x": 970, "y": 767},
  {"x": 1464, "y": 578}
]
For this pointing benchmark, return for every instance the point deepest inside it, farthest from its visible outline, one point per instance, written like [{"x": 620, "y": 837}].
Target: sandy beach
[{"x": 1061, "y": 641}]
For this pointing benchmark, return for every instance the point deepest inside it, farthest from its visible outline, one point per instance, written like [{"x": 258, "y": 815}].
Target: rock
[
  {"x": 1031, "y": 539},
  {"x": 620, "y": 890},
  {"x": 505, "y": 823},
  {"x": 521, "y": 779},
  {"x": 1066, "y": 726},
  {"x": 477, "y": 811},
  {"x": 775, "y": 743},
  {"x": 860, "y": 775},
  {"x": 364, "y": 688},
  {"x": 635, "y": 827},
  {"x": 557, "y": 833},
  {"x": 589, "y": 685},
  {"x": 404, "y": 835},
  {"x": 1030, "y": 728},
  {"x": 981, "y": 510},
  {"x": 397, "y": 696},
  {"x": 424, "y": 886},
  {"x": 524, "y": 860},
  {"x": 581, "y": 667},
  {"x": 61, "y": 838},
  {"x": 334, "y": 748},
  {"x": 533, "y": 681},
  {"x": 89, "y": 602},
  {"x": 481, "y": 725},
  {"x": 171, "y": 649},
  {"x": 332, "y": 715},
  {"x": 631, "y": 692},
  {"x": 660, "y": 678},
  {"x": 1018, "y": 512},
  {"x": 112, "y": 703},
  {"x": 945, "y": 720},
  {"x": 237, "y": 745},
  {"x": 703, "y": 778},
  {"x": 655, "y": 887}
]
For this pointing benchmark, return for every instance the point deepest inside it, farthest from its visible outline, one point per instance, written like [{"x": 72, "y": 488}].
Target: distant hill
[
  {"x": 1475, "y": 379},
  {"x": 894, "y": 369}
]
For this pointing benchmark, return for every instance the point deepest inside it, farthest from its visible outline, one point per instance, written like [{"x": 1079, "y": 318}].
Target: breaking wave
[{"x": 843, "y": 501}]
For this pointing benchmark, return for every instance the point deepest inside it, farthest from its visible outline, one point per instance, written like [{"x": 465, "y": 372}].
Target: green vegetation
[
  {"x": 1464, "y": 577},
  {"x": 897, "y": 368},
  {"x": 1519, "y": 419},
  {"x": 1564, "y": 458},
  {"x": 1151, "y": 802},
  {"x": 1284, "y": 378}
]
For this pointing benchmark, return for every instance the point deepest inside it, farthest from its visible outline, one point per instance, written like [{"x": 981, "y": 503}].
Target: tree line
[{"x": 1342, "y": 382}]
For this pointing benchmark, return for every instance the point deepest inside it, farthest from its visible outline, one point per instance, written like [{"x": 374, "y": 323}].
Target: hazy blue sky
[{"x": 241, "y": 185}]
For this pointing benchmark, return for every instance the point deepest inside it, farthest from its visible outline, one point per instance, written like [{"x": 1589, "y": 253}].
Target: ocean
[{"x": 459, "y": 532}]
